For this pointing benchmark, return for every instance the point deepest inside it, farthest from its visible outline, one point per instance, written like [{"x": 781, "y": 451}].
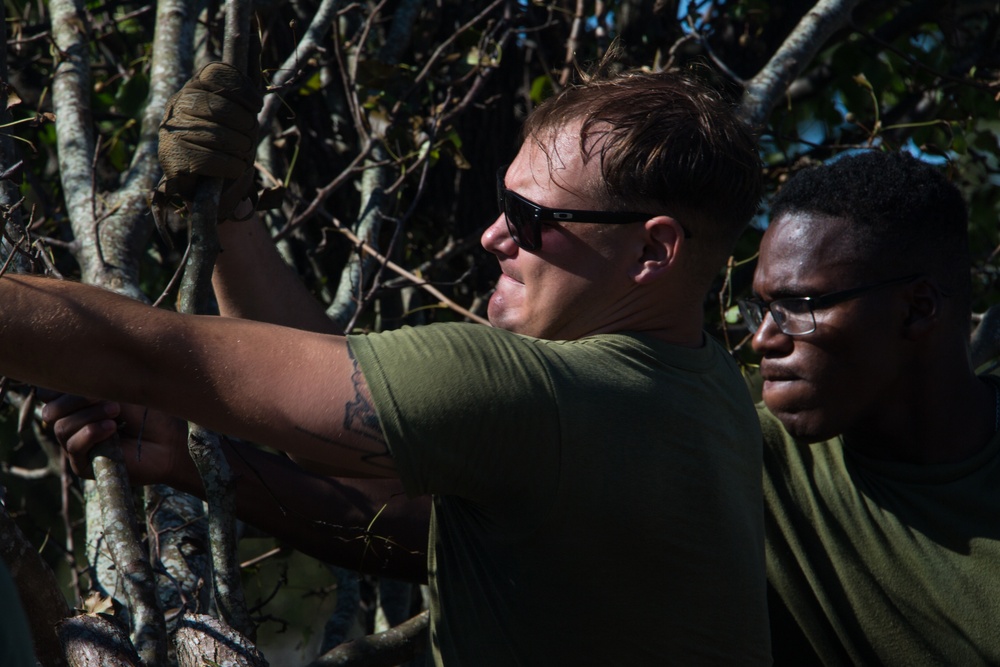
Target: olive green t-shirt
[
  {"x": 596, "y": 502},
  {"x": 877, "y": 563}
]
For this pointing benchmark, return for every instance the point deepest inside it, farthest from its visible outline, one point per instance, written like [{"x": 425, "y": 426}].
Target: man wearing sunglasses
[
  {"x": 882, "y": 452},
  {"x": 593, "y": 458}
]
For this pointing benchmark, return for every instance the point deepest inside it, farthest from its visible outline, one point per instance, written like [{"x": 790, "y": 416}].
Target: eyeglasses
[
  {"x": 524, "y": 217},
  {"x": 795, "y": 316}
]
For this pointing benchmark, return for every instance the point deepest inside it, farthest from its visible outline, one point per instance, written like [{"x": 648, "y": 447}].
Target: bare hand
[{"x": 154, "y": 444}]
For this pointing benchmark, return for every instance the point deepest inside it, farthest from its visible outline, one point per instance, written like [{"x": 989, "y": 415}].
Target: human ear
[
  {"x": 923, "y": 307},
  {"x": 663, "y": 238}
]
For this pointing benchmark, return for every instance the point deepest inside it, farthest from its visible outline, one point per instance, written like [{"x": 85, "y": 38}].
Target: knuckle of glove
[
  {"x": 203, "y": 108},
  {"x": 226, "y": 82},
  {"x": 185, "y": 157},
  {"x": 227, "y": 145},
  {"x": 209, "y": 128}
]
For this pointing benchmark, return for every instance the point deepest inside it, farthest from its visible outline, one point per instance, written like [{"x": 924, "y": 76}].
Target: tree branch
[
  {"x": 74, "y": 128},
  {"x": 322, "y": 20},
  {"x": 196, "y": 297},
  {"x": 385, "y": 649},
  {"x": 203, "y": 640},
  {"x": 768, "y": 86},
  {"x": 121, "y": 531},
  {"x": 985, "y": 343},
  {"x": 41, "y": 597}
]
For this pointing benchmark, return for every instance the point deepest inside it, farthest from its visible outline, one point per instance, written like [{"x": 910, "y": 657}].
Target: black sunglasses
[{"x": 525, "y": 217}]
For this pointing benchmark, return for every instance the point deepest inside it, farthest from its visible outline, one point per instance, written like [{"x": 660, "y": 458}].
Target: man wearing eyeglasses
[
  {"x": 882, "y": 453},
  {"x": 593, "y": 458}
]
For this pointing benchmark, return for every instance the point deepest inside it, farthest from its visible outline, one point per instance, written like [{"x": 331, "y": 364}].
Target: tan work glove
[{"x": 209, "y": 129}]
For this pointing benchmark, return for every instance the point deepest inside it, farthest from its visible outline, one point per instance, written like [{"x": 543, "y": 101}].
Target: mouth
[
  {"x": 773, "y": 374},
  {"x": 506, "y": 277}
]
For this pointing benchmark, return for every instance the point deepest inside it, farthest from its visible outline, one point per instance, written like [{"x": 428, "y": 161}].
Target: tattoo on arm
[
  {"x": 359, "y": 413},
  {"x": 360, "y": 418}
]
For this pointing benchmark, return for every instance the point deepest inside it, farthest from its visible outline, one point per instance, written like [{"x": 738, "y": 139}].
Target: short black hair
[{"x": 905, "y": 215}]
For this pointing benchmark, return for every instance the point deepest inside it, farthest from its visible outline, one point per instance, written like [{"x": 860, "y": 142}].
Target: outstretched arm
[
  {"x": 361, "y": 524},
  {"x": 296, "y": 391}
]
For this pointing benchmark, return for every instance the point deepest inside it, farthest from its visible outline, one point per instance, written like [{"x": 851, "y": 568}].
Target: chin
[
  {"x": 805, "y": 426},
  {"x": 502, "y": 315}
]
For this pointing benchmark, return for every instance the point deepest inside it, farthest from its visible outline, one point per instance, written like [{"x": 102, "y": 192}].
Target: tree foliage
[{"x": 381, "y": 133}]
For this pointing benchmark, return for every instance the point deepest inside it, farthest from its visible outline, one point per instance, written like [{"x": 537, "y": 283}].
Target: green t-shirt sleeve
[{"x": 466, "y": 410}]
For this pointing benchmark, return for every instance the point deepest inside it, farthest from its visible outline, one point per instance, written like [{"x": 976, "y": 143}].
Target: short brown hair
[{"x": 667, "y": 143}]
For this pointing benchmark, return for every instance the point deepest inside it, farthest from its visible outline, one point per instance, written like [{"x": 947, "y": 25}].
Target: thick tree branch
[
  {"x": 41, "y": 596},
  {"x": 768, "y": 86},
  {"x": 94, "y": 639},
  {"x": 121, "y": 526},
  {"x": 392, "y": 647},
  {"x": 178, "y": 538},
  {"x": 196, "y": 297},
  {"x": 77, "y": 146},
  {"x": 71, "y": 88},
  {"x": 204, "y": 640},
  {"x": 125, "y": 232},
  {"x": 351, "y": 286}
]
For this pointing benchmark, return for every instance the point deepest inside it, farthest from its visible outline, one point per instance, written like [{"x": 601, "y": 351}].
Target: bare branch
[
  {"x": 121, "y": 532},
  {"x": 373, "y": 211},
  {"x": 74, "y": 128},
  {"x": 985, "y": 342},
  {"x": 392, "y": 647},
  {"x": 178, "y": 537},
  {"x": 423, "y": 284},
  {"x": 404, "y": 16},
  {"x": 196, "y": 297},
  {"x": 125, "y": 232},
  {"x": 41, "y": 597},
  {"x": 440, "y": 50},
  {"x": 204, "y": 640},
  {"x": 572, "y": 44},
  {"x": 322, "y": 20},
  {"x": 800, "y": 47},
  {"x": 94, "y": 639}
]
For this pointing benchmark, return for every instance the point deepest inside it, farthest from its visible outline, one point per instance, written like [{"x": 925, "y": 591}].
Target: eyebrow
[{"x": 786, "y": 292}]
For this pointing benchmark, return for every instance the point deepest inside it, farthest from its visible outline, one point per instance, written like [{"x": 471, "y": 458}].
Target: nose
[
  {"x": 769, "y": 340},
  {"x": 496, "y": 239}
]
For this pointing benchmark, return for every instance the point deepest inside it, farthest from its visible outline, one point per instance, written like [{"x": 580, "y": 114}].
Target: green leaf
[
  {"x": 541, "y": 88},
  {"x": 311, "y": 85},
  {"x": 130, "y": 98}
]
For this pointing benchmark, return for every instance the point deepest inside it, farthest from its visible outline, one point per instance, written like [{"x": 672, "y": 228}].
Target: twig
[{"x": 418, "y": 282}]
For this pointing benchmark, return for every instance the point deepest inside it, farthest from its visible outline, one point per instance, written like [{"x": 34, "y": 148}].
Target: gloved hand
[{"x": 209, "y": 129}]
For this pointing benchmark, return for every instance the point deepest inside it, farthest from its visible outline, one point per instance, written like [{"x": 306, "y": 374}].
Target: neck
[
  {"x": 684, "y": 327},
  {"x": 949, "y": 424}
]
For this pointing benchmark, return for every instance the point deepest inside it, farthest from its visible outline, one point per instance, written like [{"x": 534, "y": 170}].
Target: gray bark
[{"x": 769, "y": 85}]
